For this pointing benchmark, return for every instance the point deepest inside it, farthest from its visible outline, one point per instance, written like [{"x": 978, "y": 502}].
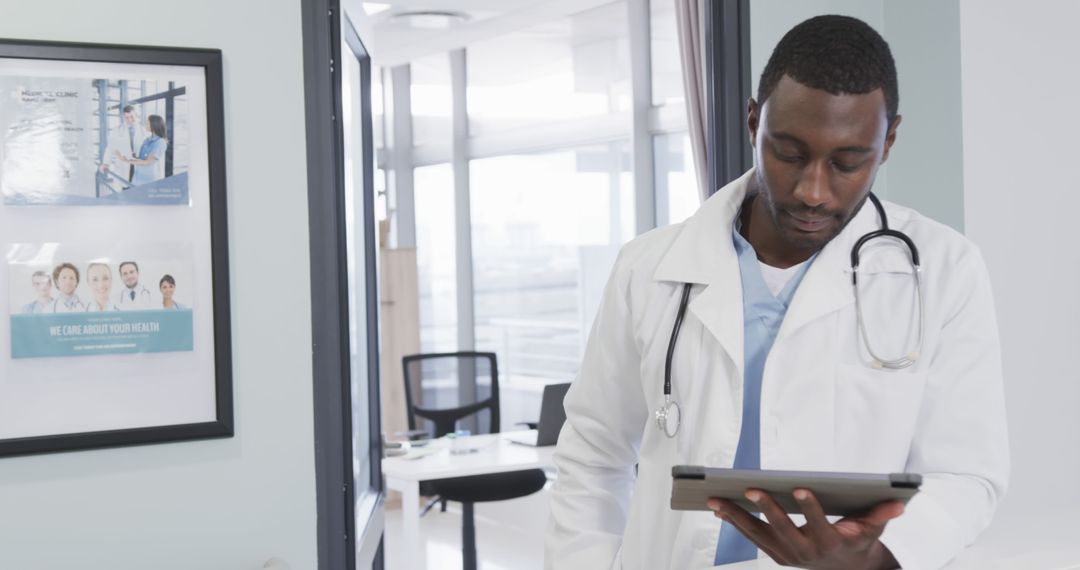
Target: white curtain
[{"x": 690, "y": 17}]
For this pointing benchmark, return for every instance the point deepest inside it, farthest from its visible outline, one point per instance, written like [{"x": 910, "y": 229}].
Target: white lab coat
[
  {"x": 120, "y": 140},
  {"x": 142, "y": 301},
  {"x": 822, "y": 407}
]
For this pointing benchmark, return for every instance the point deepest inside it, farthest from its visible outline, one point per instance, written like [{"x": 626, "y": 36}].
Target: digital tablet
[{"x": 840, "y": 494}]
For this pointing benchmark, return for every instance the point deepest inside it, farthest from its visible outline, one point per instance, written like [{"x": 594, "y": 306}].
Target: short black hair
[
  {"x": 131, "y": 263},
  {"x": 837, "y": 54}
]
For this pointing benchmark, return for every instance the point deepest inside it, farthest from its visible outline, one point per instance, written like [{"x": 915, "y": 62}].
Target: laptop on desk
[{"x": 552, "y": 417}]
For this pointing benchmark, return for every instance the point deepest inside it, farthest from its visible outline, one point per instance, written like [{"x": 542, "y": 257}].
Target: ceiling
[{"x": 392, "y": 41}]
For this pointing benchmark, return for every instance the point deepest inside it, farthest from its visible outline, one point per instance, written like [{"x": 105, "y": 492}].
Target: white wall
[
  {"x": 222, "y": 504},
  {"x": 1021, "y": 202}
]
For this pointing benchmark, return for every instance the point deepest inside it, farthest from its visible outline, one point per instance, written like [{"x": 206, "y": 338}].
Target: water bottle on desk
[{"x": 459, "y": 442}]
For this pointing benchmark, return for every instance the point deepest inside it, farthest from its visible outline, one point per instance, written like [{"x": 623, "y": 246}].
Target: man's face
[
  {"x": 130, "y": 119},
  {"x": 817, "y": 156},
  {"x": 130, "y": 275},
  {"x": 42, "y": 285}
]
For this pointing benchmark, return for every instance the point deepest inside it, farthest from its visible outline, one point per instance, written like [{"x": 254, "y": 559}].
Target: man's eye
[
  {"x": 790, "y": 158},
  {"x": 845, "y": 167}
]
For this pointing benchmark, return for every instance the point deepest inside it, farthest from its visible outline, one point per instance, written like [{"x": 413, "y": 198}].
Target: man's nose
[{"x": 813, "y": 186}]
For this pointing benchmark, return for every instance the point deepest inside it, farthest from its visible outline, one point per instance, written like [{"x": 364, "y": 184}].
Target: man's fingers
[
  {"x": 757, "y": 530},
  {"x": 872, "y": 523},
  {"x": 884, "y": 512},
  {"x": 781, "y": 523},
  {"x": 819, "y": 527}
]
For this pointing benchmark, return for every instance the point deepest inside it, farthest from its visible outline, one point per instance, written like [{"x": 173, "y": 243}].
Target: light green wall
[
  {"x": 226, "y": 504},
  {"x": 926, "y": 166}
]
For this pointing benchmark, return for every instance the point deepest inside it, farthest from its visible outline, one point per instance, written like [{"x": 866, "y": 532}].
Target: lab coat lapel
[
  {"x": 826, "y": 287},
  {"x": 703, "y": 253}
]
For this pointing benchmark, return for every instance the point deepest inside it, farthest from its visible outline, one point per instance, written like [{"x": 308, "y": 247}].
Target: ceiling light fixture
[
  {"x": 430, "y": 19},
  {"x": 372, "y": 8}
]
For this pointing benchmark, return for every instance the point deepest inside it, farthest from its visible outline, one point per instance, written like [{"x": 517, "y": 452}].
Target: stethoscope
[{"x": 668, "y": 416}]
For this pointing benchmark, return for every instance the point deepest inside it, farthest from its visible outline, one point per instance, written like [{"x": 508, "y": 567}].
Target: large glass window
[
  {"x": 546, "y": 230},
  {"x": 436, "y": 266},
  {"x": 667, "y": 86},
  {"x": 430, "y": 99},
  {"x": 565, "y": 69},
  {"x": 547, "y": 221},
  {"x": 676, "y": 180},
  {"x": 378, "y": 113}
]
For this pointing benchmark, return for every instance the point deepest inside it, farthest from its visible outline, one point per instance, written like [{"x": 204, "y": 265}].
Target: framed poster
[{"x": 114, "y": 292}]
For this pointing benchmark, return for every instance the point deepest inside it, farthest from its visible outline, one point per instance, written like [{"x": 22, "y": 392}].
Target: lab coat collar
[{"x": 703, "y": 253}]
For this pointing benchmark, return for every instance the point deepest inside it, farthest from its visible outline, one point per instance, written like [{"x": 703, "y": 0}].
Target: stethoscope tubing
[{"x": 675, "y": 335}]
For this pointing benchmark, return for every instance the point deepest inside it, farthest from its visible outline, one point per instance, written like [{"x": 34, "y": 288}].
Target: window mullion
[{"x": 641, "y": 90}]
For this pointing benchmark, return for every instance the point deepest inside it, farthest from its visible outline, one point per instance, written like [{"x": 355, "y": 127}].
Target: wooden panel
[{"x": 399, "y": 300}]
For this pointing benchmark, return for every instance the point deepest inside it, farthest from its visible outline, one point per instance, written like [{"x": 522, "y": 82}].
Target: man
[
  {"x": 772, "y": 369},
  {"x": 126, "y": 140},
  {"x": 43, "y": 287},
  {"x": 66, "y": 278},
  {"x": 133, "y": 297}
]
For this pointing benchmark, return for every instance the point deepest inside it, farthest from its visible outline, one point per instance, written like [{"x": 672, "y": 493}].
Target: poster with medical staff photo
[{"x": 114, "y": 293}]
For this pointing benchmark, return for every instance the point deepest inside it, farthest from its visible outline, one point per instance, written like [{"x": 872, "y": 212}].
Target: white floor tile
[{"x": 509, "y": 535}]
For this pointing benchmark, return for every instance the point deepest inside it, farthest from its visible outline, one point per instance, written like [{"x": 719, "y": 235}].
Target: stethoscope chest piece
[{"x": 668, "y": 417}]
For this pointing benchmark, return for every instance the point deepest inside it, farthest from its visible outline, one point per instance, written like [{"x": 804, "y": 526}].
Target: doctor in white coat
[
  {"x": 125, "y": 140},
  {"x": 795, "y": 388}
]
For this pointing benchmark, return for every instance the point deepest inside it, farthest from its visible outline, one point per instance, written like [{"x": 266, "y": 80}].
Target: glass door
[{"x": 358, "y": 205}]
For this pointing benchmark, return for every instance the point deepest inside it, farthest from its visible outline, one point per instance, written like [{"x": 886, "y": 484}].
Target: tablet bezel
[{"x": 840, "y": 494}]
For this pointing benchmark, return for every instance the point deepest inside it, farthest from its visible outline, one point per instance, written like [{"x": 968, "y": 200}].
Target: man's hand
[{"x": 850, "y": 543}]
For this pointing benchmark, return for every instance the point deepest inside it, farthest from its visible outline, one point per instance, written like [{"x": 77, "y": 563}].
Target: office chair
[{"x": 445, "y": 392}]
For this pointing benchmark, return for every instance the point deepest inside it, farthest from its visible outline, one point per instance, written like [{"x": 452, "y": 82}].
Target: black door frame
[
  {"x": 337, "y": 534},
  {"x": 727, "y": 88}
]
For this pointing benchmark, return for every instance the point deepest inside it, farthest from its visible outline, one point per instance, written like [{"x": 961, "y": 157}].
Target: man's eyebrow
[
  {"x": 855, "y": 149},
  {"x": 788, "y": 138},
  {"x": 800, "y": 143}
]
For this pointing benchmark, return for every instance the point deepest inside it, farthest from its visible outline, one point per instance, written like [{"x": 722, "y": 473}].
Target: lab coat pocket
[{"x": 876, "y": 416}]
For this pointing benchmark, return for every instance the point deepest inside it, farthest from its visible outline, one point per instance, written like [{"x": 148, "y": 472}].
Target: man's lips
[{"x": 809, "y": 224}]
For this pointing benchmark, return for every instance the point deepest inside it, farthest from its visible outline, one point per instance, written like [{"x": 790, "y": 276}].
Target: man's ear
[
  {"x": 890, "y": 138},
  {"x": 753, "y": 116}
]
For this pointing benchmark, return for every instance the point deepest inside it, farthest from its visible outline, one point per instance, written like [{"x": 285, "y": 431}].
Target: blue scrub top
[
  {"x": 763, "y": 313},
  {"x": 153, "y": 146}
]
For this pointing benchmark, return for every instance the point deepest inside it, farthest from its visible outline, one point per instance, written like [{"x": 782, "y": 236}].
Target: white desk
[{"x": 494, "y": 455}]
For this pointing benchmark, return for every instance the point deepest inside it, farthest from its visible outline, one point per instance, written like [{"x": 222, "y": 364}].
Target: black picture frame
[{"x": 210, "y": 62}]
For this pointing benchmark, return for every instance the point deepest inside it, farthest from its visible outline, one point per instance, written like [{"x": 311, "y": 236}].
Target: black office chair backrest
[{"x": 448, "y": 391}]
